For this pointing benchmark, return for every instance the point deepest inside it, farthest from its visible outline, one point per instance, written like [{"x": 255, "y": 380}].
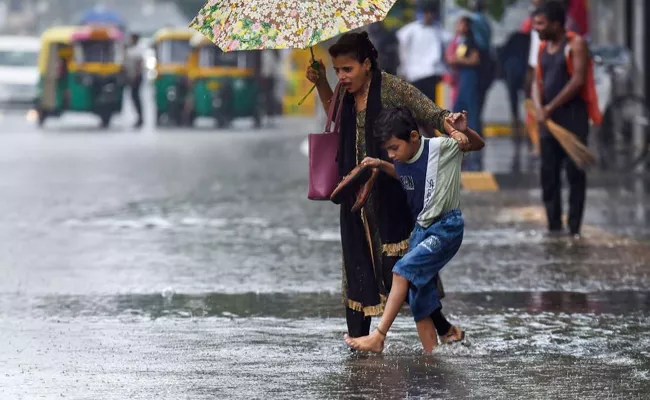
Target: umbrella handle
[
  {"x": 307, "y": 95},
  {"x": 314, "y": 63}
]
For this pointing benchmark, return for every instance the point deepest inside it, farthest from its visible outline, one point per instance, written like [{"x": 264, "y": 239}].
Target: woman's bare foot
[
  {"x": 455, "y": 334},
  {"x": 373, "y": 342}
]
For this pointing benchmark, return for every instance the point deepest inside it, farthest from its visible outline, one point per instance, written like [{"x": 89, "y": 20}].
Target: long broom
[{"x": 579, "y": 153}]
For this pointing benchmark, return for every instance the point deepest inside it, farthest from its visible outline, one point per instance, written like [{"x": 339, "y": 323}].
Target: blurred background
[
  {"x": 157, "y": 240},
  {"x": 619, "y": 23}
]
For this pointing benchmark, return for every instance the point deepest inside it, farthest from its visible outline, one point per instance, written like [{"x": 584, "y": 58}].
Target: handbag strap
[{"x": 337, "y": 98}]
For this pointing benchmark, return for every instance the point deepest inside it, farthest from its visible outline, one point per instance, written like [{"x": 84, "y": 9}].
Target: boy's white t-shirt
[{"x": 431, "y": 179}]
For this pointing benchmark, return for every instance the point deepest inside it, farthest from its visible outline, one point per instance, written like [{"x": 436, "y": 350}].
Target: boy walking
[{"x": 429, "y": 170}]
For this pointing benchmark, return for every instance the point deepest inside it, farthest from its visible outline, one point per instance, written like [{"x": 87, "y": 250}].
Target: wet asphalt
[{"x": 175, "y": 263}]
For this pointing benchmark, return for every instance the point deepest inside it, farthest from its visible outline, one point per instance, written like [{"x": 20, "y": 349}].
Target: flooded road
[{"x": 189, "y": 264}]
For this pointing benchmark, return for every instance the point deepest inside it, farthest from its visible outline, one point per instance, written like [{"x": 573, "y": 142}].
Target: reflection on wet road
[{"x": 189, "y": 264}]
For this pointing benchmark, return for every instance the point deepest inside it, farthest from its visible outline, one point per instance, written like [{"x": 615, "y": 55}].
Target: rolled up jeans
[{"x": 430, "y": 249}]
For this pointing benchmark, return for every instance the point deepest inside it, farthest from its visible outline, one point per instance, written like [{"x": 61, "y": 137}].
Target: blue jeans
[
  {"x": 469, "y": 100},
  {"x": 430, "y": 249}
]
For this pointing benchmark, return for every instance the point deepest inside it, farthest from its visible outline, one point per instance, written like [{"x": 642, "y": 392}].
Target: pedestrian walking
[
  {"x": 135, "y": 75},
  {"x": 429, "y": 170},
  {"x": 376, "y": 236}
]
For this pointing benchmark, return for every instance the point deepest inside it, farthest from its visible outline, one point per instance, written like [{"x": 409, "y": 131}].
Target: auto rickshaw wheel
[
  {"x": 191, "y": 119},
  {"x": 259, "y": 112},
  {"x": 257, "y": 119},
  {"x": 42, "y": 116},
  {"x": 222, "y": 122},
  {"x": 105, "y": 119}
]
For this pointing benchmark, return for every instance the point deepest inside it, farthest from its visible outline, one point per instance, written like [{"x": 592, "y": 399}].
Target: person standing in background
[
  {"x": 481, "y": 28},
  {"x": 421, "y": 47},
  {"x": 271, "y": 65},
  {"x": 564, "y": 93},
  {"x": 482, "y": 36},
  {"x": 387, "y": 46},
  {"x": 533, "y": 52},
  {"x": 134, "y": 74},
  {"x": 466, "y": 62}
]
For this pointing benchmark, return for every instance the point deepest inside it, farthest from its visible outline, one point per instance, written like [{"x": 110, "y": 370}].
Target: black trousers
[
  {"x": 428, "y": 86},
  {"x": 135, "y": 97},
  {"x": 553, "y": 159}
]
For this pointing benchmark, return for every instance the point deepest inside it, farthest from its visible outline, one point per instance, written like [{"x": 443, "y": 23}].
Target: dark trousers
[
  {"x": 358, "y": 323},
  {"x": 135, "y": 97},
  {"x": 553, "y": 159},
  {"x": 428, "y": 86}
]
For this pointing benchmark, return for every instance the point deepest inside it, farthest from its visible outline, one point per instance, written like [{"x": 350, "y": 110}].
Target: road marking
[{"x": 478, "y": 182}]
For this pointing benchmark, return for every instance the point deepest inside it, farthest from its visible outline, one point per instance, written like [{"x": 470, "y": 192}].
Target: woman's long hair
[{"x": 356, "y": 45}]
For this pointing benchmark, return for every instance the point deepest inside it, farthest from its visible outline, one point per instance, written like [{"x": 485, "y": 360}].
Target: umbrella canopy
[
  {"x": 102, "y": 16},
  {"x": 283, "y": 24}
]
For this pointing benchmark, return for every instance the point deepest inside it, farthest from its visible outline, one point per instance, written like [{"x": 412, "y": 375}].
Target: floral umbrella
[{"x": 283, "y": 24}]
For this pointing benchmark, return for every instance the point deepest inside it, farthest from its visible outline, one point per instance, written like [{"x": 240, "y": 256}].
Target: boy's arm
[{"x": 382, "y": 165}]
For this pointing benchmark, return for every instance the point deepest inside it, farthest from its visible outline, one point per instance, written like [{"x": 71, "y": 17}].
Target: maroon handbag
[{"x": 323, "y": 148}]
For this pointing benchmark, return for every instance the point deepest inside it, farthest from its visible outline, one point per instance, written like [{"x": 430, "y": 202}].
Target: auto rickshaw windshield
[
  {"x": 212, "y": 56},
  {"x": 98, "y": 51},
  {"x": 173, "y": 51}
]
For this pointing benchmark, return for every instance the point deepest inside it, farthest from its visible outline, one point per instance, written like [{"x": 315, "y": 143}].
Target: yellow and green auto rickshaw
[
  {"x": 223, "y": 86},
  {"x": 81, "y": 70},
  {"x": 171, "y": 84}
]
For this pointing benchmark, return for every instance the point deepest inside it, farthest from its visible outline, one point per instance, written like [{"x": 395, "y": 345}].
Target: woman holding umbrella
[{"x": 374, "y": 238}]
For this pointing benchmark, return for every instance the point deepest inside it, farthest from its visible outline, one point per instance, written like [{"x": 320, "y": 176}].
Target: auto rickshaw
[
  {"x": 81, "y": 70},
  {"x": 172, "y": 47},
  {"x": 222, "y": 85}
]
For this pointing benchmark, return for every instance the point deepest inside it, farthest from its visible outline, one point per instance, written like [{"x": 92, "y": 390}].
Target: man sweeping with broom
[{"x": 565, "y": 100}]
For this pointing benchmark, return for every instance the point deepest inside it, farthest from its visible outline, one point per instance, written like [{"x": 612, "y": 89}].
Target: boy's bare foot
[
  {"x": 373, "y": 342},
  {"x": 454, "y": 335}
]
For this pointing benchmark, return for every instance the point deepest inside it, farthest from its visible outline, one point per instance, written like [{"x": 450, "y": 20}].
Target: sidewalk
[{"x": 499, "y": 161}]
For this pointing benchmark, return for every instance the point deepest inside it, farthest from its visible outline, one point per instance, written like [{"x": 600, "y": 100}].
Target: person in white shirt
[
  {"x": 134, "y": 73},
  {"x": 533, "y": 54},
  {"x": 421, "y": 50}
]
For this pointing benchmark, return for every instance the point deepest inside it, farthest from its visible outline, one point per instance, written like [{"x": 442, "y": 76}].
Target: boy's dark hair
[
  {"x": 356, "y": 45},
  {"x": 554, "y": 11},
  {"x": 398, "y": 122}
]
